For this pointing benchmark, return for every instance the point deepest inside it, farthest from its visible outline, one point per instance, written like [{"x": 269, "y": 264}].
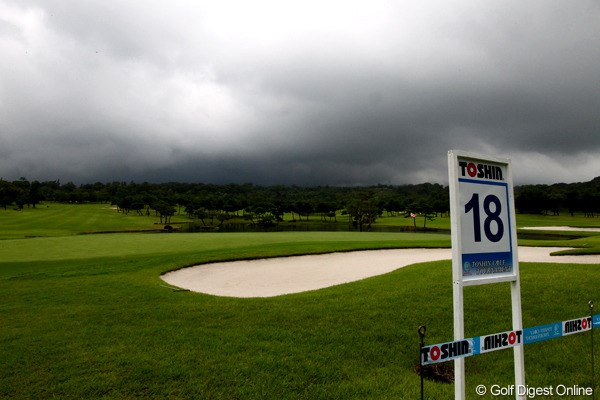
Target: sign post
[{"x": 484, "y": 241}]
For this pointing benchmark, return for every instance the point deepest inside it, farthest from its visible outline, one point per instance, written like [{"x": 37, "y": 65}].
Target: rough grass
[
  {"x": 235, "y": 244},
  {"x": 101, "y": 326},
  {"x": 58, "y": 219},
  {"x": 87, "y": 317}
]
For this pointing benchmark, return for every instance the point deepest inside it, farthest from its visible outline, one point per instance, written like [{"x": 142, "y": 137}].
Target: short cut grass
[{"x": 87, "y": 317}]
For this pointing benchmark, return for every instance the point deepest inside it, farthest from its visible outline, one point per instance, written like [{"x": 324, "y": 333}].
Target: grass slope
[
  {"x": 85, "y": 316},
  {"x": 95, "y": 323},
  {"x": 58, "y": 219}
]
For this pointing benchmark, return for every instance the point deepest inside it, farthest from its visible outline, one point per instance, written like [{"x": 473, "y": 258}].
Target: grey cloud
[{"x": 378, "y": 94}]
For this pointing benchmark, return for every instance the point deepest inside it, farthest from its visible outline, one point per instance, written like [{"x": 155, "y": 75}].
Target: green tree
[
  {"x": 364, "y": 209},
  {"x": 8, "y": 193}
]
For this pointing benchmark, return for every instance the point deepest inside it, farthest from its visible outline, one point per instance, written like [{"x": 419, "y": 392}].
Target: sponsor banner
[
  {"x": 446, "y": 351},
  {"x": 576, "y": 325},
  {"x": 442, "y": 352},
  {"x": 500, "y": 341},
  {"x": 542, "y": 332}
]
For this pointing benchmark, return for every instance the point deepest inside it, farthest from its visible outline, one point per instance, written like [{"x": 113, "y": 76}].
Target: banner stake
[{"x": 422, "y": 330}]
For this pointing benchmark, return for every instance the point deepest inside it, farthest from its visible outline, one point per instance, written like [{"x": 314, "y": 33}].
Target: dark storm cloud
[{"x": 297, "y": 92}]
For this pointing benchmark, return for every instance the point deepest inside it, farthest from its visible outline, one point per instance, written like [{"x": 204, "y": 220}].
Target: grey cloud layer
[{"x": 286, "y": 92}]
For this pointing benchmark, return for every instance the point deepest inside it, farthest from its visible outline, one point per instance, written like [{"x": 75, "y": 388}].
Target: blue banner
[
  {"x": 442, "y": 352},
  {"x": 542, "y": 332}
]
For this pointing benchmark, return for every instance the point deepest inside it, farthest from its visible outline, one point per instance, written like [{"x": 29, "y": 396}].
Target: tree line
[
  {"x": 267, "y": 204},
  {"x": 579, "y": 197},
  {"x": 219, "y": 202}
]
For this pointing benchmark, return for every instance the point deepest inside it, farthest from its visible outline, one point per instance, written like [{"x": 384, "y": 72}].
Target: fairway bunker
[{"x": 269, "y": 277}]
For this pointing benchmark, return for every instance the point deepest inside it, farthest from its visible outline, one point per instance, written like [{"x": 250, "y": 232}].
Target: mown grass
[
  {"x": 564, "y": 219},
  {"x": 97, "y": 324},
  {"x": 59, "y": 219},
  {"x": 523, "y": 220},
  {"x": 86, "y": 317},
  {"x": 56, "y": 220},
  {"x": 236, "y": 245}
]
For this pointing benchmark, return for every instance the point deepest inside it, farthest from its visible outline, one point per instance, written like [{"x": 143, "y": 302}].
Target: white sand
[{"x": 284, "y": 275}]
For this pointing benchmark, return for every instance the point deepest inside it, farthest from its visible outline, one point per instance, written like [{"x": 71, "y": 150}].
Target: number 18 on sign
[
  {"x": 484, "y": 240},
  {"x": 484, "y": 219}
]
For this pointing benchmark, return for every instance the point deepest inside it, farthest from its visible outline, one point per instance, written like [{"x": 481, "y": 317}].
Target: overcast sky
[{"x": 306, "y": 92}]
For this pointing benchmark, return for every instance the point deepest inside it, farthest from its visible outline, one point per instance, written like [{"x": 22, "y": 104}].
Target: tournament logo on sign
[{"x": 466, "y": 268}]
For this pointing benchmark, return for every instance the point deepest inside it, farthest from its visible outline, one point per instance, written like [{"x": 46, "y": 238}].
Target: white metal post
[
  {"x": 482, "y": 176},
  {"x": 459, "y": 333},
  {"x": 515, "y": 290},
  {"x": 515, "y": 294},
  {"x": 457, "y": 287}
]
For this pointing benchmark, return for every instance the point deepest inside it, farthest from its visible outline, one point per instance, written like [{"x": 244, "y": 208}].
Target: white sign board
[
  {"x": 484, "y": 241},
  {"x": 484, "y": 217}
]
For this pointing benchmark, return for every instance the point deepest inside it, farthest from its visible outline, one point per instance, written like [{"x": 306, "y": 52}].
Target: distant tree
[
  {"x": 590, "y": 202},
  {"x": 303, "y": 207},
  {"x": 554, "y": 202},
  {"x": 165, "y": 211},
  {"x": 363, "y": 209},
  {"x": 428, "y": 212},
  {"x": 49, "y": 190},
  {"x": 201, "y": 213},
  {"x": 327, "y": 209},
  {"x": 222, "y": 216},
  {"x": 8, "y": 193},
  {"x": 532, "y": 199},
  {"x": 137, "y": 204},
  {"x": 34, "y": 193},
  {"x": 22, "y": 189},
  {"x": 393, "y": 205}
]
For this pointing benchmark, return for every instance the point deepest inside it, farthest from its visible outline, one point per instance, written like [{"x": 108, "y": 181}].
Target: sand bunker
[{"x": 284, "y": 275}]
